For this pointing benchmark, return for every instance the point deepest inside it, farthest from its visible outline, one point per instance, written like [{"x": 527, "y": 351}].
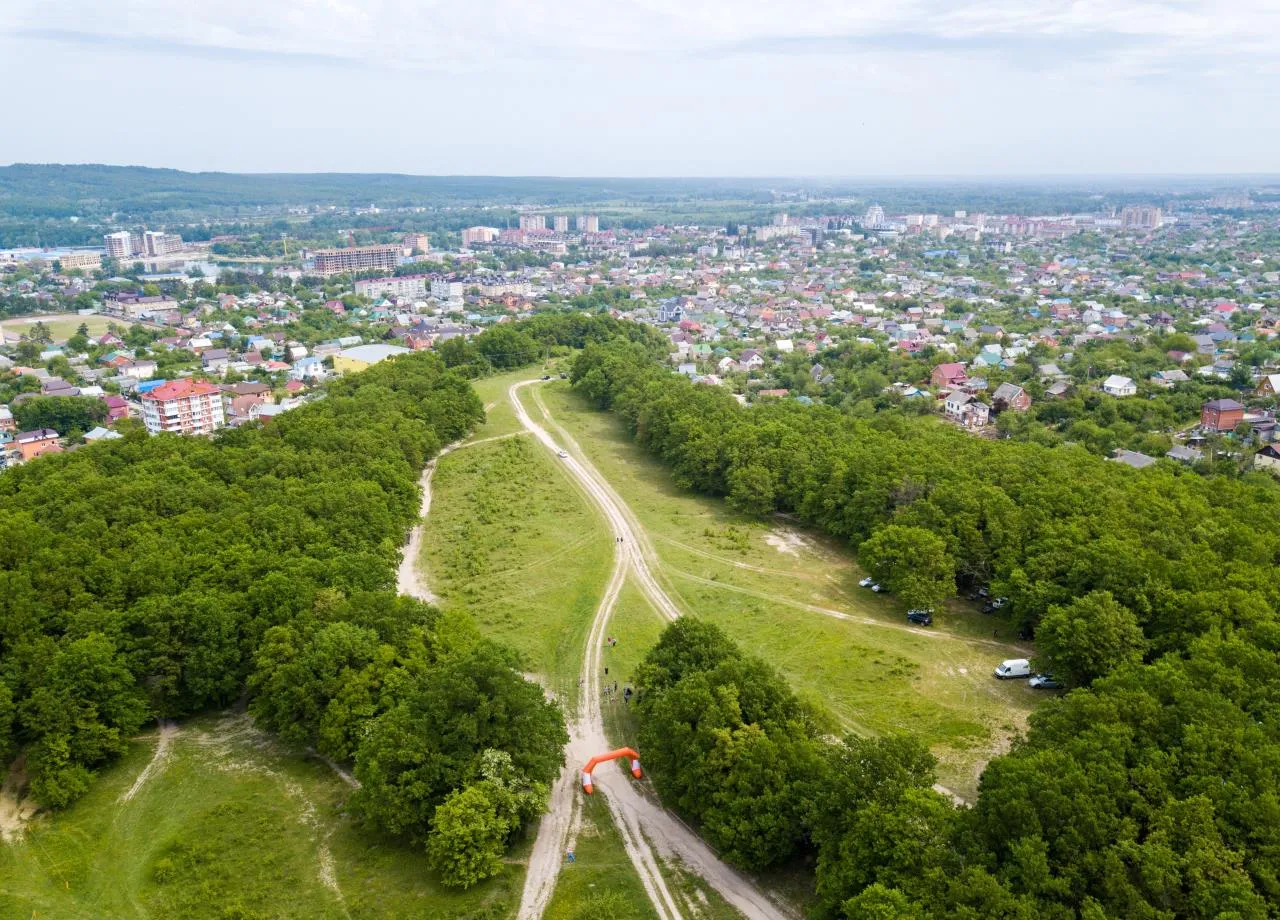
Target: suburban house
[
  {"x": 964, "y": 408},
  {"x": 307, "y": 369},
  {"x": 6, "y": 419},
  {"x": 1134, "y": 459},
  {"x": 1011, "y": 396},
  {"x": 1269, "y": 385},
  {"x": 1118, "y": 386},
  {"x": 751, "y": 359},
  {"x": 215, "y": 360},
  {"x": 1221, "y": 415},
  {"x": 1168, "y": 379},
  {"x": 948, "y": 376},
  {"x": 117, "y": 408},
  {"x": 1268, "y": 458},
  {"x": 32, "y": 444}
]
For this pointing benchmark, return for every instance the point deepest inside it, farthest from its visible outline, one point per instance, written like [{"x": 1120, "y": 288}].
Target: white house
[
  {"x": 962, "y": 407},
  {"x": 1118, "y": 386}
]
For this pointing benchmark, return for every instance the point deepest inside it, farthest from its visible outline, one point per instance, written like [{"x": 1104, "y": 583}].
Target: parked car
[
  {"x": 876, "y": 588},
  {"x": 1013, "y": 667},
  {"x": 993, "y": 605},
  {"x": 546, "y": 376},
  {"x": 920, "y": 617},
  {"x": 562, "y": 454},
  {"x": 866, "y": 582},
  {"x": 564, "y": 376},
  {"x": 1044, "y": 682}
]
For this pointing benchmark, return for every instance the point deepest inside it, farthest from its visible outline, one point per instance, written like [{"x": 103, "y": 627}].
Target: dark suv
[{"x": 920, "y": 617}]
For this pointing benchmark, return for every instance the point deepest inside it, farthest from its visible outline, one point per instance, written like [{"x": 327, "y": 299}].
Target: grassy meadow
[
  {"x": 228, "y": 824},
  {"x": 768, "y": 585}
]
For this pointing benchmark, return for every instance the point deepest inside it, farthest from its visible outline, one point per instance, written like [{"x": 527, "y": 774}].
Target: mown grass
[
  {"x": 62, "y": 327},
  {"x": 753, "y": 579},
  {"x": 601, "y": 882},
  {"x": 232, "y": 826},
  {"x": 511, "y": 541}
]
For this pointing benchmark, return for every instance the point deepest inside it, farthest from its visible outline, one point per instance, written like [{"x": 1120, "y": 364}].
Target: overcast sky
[{"x": 646, "y": 87}]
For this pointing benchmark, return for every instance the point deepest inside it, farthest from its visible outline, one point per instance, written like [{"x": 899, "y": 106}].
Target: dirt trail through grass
[{"x": 645, "y": 825}]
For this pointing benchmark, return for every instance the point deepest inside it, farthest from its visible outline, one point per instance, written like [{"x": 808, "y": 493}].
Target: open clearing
[
  {"x": 791, "y": 597},
  {"x": 61, "y": 325},
  {"x": 511, "y": 541},
  {"x": 233, "y": 825}
]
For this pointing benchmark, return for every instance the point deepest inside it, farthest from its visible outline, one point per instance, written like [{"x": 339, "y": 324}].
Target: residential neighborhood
[{"x": 1091, "y": 328}]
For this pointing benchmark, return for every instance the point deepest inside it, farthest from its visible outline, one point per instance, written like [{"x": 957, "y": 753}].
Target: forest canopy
[
  {"x": 1150, "y": 791},
  {"x": 155, "y": 577}
]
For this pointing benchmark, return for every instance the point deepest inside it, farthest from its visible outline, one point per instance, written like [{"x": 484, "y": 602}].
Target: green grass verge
[
  {"x": 511, "y": 541},
  {"x": 229, "y": 825},
  {"x": 601, "y": 882},
  {"x": 753, "y": 579}
]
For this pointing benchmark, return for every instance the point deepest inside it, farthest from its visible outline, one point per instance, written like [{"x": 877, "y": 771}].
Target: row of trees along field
[
  {"x": 161, "y": 576},
  {"x": 1152, "y": 790}
]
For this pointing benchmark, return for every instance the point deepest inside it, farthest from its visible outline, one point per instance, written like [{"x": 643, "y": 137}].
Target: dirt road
[
  {"x": 410, "y": 580},
  {"x": 645, "y": 826}
]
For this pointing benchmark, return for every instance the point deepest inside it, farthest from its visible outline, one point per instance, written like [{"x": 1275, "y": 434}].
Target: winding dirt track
[{"x": 648, "y": 830}]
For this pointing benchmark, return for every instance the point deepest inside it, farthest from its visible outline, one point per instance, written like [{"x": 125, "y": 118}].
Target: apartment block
[
  {"x": 479, "y": 235},
  {"x": 85, "y": 261},
  {"x": 183, "y": 407},
  {"x": 356, "y": 259},
  {"x": 588, "y": 223},
  {"x": 157, "y": 243},
  {"x": 533, "y": 222},
  {"x": 418, "y": 241},
  {"x": 401, "y": 286},
  {"x": 562, "y": 223},
  {"x": 119, "y": 244}
]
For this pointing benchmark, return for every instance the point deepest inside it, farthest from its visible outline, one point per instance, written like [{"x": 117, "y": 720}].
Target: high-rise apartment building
[
  {"x": 157, "y": 243},
  {"x": 356, "y": 259},
  {"x": 119, "y": 244},
  {"x": 183, "y": 406},
  {"x": 588, "y": 223},
  {"x": 479, "y": 235},
  {"x": 418, "y": 241},
  {"x": 1141, "y": 217},
  {"x": 533, "y": 222},
  {"x": 874, "y": 218},
  {"x": 562, "y": 223}
]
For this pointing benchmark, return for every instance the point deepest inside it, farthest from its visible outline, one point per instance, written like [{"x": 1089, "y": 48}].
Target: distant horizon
[{"x": 760, "y": 177}]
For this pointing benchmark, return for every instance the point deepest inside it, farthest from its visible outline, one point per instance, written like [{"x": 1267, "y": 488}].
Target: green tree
[
  {"x": 912, "y": 562},
  {"x": 1088, "y": 638},
  {"x": 751, "y": 489},
  {"x": 468, "y": 834},
  {"x": 67, "y": 415}
]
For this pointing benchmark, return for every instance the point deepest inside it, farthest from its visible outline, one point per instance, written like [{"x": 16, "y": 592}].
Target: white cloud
[{"x": 649, "y": 87}]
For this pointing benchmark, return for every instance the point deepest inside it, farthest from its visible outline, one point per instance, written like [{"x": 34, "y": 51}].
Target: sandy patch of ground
[
  {"x": 164, "y": 742},
  {"x": 15, "y": 811},
  {"x": 788, "y": 541}
]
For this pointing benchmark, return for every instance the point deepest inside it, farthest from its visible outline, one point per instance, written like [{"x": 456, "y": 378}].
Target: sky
[{"x": 646, "y": 87}]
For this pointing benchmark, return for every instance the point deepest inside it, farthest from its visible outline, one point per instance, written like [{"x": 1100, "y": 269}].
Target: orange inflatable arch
[{"x": 619, "y": 754}]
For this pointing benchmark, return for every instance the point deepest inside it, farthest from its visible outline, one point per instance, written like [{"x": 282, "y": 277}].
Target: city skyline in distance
[{"x": 929, "y": 89}]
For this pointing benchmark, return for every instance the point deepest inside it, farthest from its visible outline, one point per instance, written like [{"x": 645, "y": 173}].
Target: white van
[{"x": 1014, "y": 667}]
